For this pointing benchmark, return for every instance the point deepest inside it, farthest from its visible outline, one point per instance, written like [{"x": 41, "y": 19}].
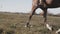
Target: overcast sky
[{"x": 21, "y": 6}]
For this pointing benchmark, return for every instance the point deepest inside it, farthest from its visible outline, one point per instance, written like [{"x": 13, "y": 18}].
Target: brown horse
[{"x": 44, "y": 5}]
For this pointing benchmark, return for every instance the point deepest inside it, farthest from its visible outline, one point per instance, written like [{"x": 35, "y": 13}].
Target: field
[{"x": 15, "y": 24}]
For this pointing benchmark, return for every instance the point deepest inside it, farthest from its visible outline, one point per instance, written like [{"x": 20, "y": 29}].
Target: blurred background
[{"x": 22, "y": 6}]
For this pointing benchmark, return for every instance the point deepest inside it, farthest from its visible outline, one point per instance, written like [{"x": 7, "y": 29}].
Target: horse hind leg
[
  {"x": 45, "y": 15},
  {"x": 33, "y": 11},
  {"x": 45, "y": 20}
]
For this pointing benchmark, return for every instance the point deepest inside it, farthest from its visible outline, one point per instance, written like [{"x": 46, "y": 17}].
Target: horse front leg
[{"x": 33, "y": 11}]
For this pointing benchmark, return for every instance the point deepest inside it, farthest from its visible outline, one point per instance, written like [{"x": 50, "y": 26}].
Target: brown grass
[{"x": 14, "y": 24}]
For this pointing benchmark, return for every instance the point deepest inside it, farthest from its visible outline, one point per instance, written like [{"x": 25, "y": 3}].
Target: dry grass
[{"x": 14, "y": 24}]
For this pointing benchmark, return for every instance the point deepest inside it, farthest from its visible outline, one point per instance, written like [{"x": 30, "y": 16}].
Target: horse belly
[
  {"x": 48, "y": 1},
  {"x": 53, "y": 6}
]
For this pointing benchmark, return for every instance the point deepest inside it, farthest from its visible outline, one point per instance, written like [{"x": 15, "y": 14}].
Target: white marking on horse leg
[
  {"x": 58, "y": 31},
  {"x": 25, "y": 26},
  {"x": 49, "y": 27},
  {"x": 28, "y": 25}
]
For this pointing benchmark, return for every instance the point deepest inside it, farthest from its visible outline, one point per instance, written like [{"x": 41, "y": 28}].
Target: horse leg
[
  {"x": 45, "y": 19},
  {"x": 33, "y": 11},
  {"x": 45, "y": 15}
]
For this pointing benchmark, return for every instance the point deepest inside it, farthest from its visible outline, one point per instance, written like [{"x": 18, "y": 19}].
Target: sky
[{"x": 22, "y": 6}]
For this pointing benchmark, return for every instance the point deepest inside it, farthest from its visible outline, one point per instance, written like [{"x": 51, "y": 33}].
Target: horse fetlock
[{"x": 49, "y": 27}]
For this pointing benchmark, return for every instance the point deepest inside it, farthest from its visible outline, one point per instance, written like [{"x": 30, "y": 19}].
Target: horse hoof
[
  {"x": 49, "y": 27},
  {"x": 58, "y": 31},
  {"x": 27, "y": 25}
]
